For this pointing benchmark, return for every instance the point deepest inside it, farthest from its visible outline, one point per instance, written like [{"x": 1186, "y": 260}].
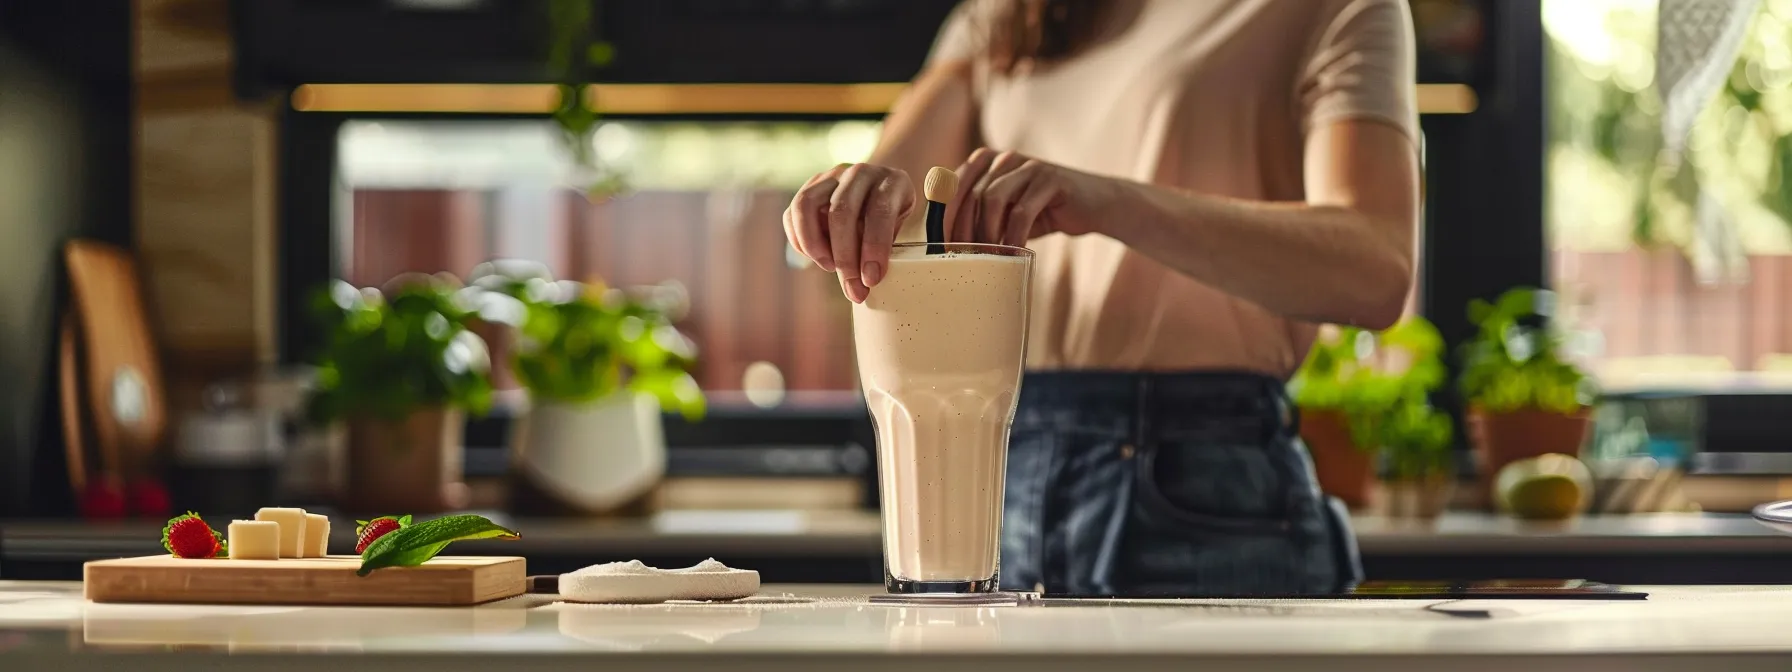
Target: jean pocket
[
  {"x": 1213, "y": 488},
  {"x": 1216, "y": 532}
]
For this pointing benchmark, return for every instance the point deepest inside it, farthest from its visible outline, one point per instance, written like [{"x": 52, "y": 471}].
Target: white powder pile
[{"x": 633, "y": 582}]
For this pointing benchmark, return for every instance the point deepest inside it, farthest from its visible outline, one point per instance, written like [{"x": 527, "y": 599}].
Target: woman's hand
[
  {"x": 1008, "y": 198},
  {"x": 845, "y": 220}
]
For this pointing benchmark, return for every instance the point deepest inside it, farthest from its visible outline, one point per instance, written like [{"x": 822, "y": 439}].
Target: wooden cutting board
[
  {"x": 117, "y": 363},
  {"x": 443, "y": 581}
]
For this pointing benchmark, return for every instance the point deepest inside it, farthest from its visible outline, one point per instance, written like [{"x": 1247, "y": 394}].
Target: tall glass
[{"x": 941, "y": 342}]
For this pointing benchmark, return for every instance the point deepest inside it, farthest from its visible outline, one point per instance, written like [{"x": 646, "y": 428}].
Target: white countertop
[{"x": 49, "y": 626}]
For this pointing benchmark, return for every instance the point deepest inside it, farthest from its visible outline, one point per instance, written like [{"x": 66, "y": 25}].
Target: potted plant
[
  {"x": 1350, "y": 375},
  {"x": 400, "y": 369},
  {"x": 1523, "y": 398},
  {"x": 1414, "y": 439},
  {"x": 599, "y": 366}
]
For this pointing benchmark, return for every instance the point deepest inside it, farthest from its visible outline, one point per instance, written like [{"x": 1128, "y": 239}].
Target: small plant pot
[
  {"x": 412, "y": 465},
  {"x": 592, "y": 459},
  {"x": 1503, "y": 438},
  {"x": 1344, "y": 471},
  {"x": 1423, "y": 498}
]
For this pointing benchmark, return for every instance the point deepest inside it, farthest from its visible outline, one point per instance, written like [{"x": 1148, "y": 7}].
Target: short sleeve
[
  {"x": 1363, "y": 66},
  {"x": 961, "y": 37}
]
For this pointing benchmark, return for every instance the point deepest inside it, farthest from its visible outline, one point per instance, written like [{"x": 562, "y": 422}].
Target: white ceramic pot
[{"x": 594, "y": 456}]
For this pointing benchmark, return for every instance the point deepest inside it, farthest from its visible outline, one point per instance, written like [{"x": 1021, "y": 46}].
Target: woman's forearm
[{"x": 1308, "y": 262}]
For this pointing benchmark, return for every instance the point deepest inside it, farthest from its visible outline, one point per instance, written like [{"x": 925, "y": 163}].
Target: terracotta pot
[
  {"x": 1344, "y": 471},
  {"x": 1422, "y": 498},
  {"x": 1502, "y": 438},
  {"x": 408, "y": 466}
]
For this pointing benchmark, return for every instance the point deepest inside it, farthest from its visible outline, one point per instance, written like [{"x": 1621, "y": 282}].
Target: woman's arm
[
  {"x": 846, "y": 218},
  {"x": 1344, "y": 256}
]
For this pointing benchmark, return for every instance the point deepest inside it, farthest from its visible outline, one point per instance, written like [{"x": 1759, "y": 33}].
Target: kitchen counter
[
  {"x": 844, "y": 546},
  {"x": 46, "y": 625}
]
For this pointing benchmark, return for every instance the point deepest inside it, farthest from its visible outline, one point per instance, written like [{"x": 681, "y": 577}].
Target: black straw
[{"x": 936, "y": 227}]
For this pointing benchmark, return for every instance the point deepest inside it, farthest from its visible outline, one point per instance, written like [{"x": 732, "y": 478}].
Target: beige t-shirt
[{"x": 1211, "y": 96}]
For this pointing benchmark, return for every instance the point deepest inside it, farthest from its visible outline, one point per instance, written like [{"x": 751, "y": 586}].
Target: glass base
[
  {"x": 906, "y": 587},
  {"x": 906, "y": 593},
  {"x": 957, "y": 599}
]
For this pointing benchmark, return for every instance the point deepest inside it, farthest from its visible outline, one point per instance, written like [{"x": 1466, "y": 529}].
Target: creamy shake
[{"x": 941, "y": 341}]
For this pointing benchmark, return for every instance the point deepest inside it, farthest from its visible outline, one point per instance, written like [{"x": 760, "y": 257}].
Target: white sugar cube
[
  {"x": 254, "y": 540},
  {"x": 317, "y": 535},
  {"x": 292, "y": 529}
]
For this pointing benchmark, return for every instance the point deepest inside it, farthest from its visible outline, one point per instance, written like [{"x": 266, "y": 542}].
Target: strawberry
[
  {"x": 148, "y": 498},
  {"x": 186, "y": 536},
  {"x": 103, "y": 500},
  {"x": 368, "y": 530}
]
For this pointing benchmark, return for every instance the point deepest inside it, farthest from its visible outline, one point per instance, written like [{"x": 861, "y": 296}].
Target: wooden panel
[
  {"x": 1648, "y": 304},
  {"x": 416, "y": 230},
  {"x": 443, "y": 581},
  {"x": 765, "y": 327},
  {"x": 205, "y": 187},
  {"x": 179, "y": 37},
  {"x": 718, "y": 306},
  {"x": 1767, "y": 305},
  {"x": 197, "y": 230}
]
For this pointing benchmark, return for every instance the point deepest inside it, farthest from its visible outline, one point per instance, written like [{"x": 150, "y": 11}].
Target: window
[
  {"x": 703, "y": 210},
  {"x": 1684, "y": 275}
]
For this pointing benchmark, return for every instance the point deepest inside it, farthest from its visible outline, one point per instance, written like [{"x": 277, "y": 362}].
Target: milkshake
[{"x": 941, "y": 341}]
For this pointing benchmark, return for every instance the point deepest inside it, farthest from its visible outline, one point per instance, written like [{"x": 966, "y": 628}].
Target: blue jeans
[{"x": 1135, "y": 484}]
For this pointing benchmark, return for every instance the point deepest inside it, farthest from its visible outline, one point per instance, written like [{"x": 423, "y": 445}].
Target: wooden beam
[{"x": 867, "y": 98}]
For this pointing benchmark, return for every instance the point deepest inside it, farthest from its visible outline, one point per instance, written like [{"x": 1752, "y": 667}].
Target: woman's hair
[{"x": 1034, "y": 32}]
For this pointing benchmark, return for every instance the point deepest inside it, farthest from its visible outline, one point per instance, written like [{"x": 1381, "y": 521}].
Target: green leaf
[
  {"x": 1509, "y": 366},
  {"x": 414, "y": 545},
  {"x": 600, "y": 54},
  {"x": 1739, "y": 89},
  {"x": 581, "y": 344},
  {"x": 387, "y": 357},
  {"x": 1778, "y": 195}
]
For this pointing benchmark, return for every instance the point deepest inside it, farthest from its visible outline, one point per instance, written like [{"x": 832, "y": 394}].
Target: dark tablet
[{"x": 1500, "y": 589}]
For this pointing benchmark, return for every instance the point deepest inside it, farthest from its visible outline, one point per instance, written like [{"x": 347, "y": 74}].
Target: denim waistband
[{"x": 1218, "y": 405}]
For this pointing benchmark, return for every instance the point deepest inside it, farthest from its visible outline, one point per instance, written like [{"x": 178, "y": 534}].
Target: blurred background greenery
[{"x": 1605, "y": 192}]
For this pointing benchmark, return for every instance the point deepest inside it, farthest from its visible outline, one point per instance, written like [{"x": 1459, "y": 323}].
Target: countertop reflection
[
  {"x": 782, "y": 533},
  {"x": 48, "y": 625}
]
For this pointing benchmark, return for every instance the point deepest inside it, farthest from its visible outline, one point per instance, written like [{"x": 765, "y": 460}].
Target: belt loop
[
  {"x": 1287, "y": 433},
  {"x": 1287, "y": 413}
]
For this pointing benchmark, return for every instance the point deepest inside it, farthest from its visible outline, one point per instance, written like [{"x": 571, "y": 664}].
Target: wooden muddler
[{"x": 939, "y": 188}]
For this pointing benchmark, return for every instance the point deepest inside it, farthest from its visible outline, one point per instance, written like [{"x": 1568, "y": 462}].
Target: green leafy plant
[
  {"x": 572, "y": 51},
  {"x": 1412, "y": 434},
  {"x": 1515, "y": 359},
  {"x": 1372, "y": 376},
  {"x": 386, "y": 357},
  {"x": 580, "y": 343}
]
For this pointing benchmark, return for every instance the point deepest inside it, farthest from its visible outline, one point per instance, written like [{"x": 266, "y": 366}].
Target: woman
[{"x": 1203, "y": 182}]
